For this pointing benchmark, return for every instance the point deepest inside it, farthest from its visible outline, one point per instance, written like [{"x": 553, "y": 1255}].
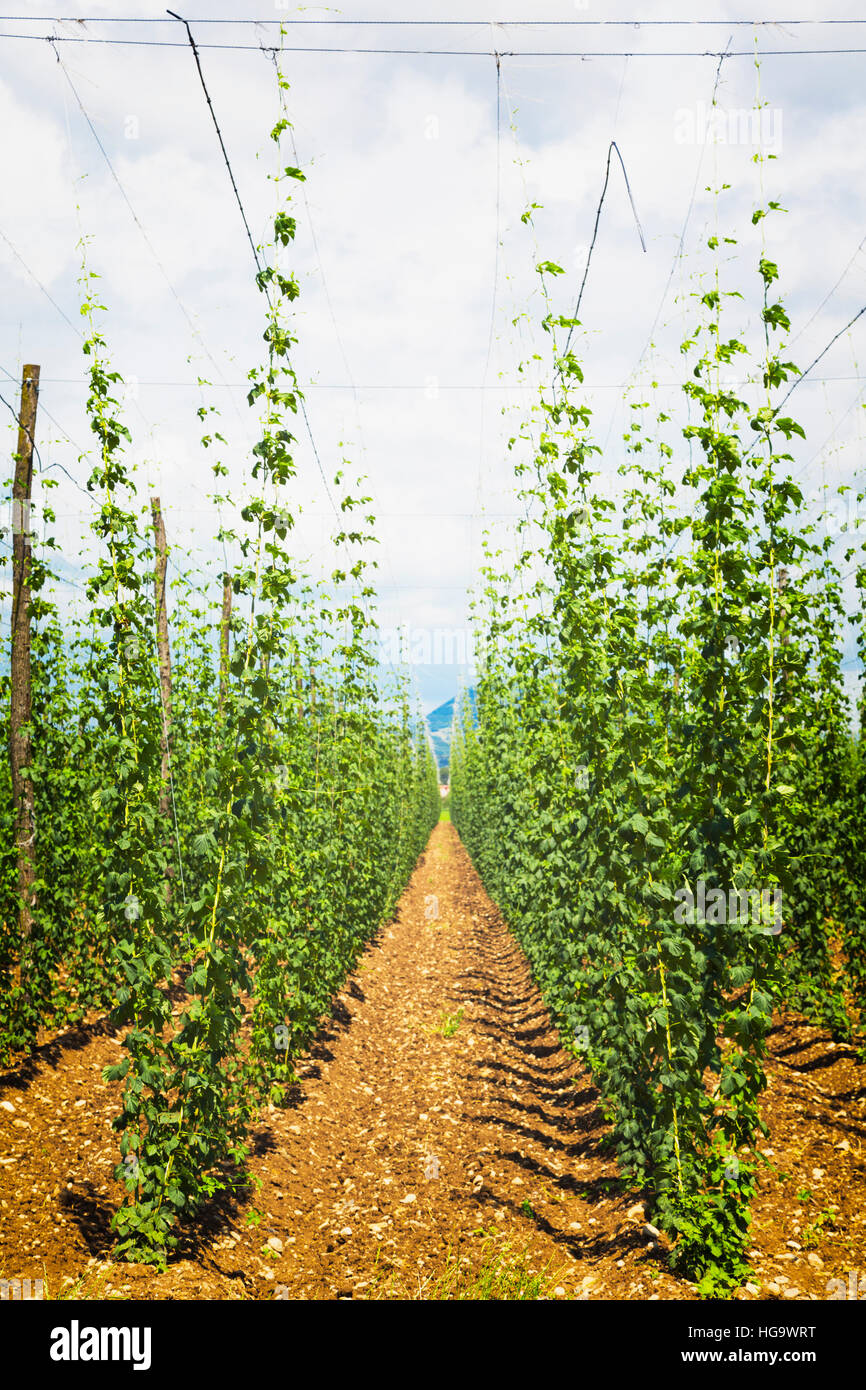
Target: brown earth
[{"x": 441, "y": 1143}]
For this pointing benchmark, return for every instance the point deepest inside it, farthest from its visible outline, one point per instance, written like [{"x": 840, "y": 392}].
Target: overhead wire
[
  {"x": 829, "y": 294},
  {"x": 44, "y": 411},
  {"x": 249, "y": 234},
  {"x": 219, "y": 137},
  {"x": 497, "y": 218},
  {"x": 446, "y": 52},
  {"x": 337, "y": 21},
  {"x": 337, "y": 334},
  {"x": 63, "y": 579},
  {"x": 682, "y": 238},
  {"x": 254, "y": 249},
  {"x": 479, "y": 492},
  {"x": 82, "y": 237},
  {"x": 676, "y": 259},
  {"x": 34, "y": 277},
  {"x": 612, "y": 146},
  {"x": 802, "y": 375},
  {"x": 497, "y": 54},
  {"x": 193, "y": 327},
  {"x": 15, "y": 415}
]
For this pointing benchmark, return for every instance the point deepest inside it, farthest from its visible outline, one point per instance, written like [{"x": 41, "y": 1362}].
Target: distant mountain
[{"x": 439, "y": 723}]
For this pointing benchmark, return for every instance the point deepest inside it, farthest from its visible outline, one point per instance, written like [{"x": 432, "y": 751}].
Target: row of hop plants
[
  {"x": 210, "y": 866},
  {"x": 657, "y": 774}
]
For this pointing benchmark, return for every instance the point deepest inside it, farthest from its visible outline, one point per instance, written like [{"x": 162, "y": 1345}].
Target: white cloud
[{"x": 400, "y": 155}]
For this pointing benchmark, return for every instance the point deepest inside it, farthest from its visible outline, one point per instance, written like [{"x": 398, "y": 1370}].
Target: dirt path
[
  {"x": 441, "y": 1142},
  {"x": 423, "y": 1147}
]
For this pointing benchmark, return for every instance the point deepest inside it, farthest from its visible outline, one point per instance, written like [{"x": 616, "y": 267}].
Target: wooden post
[
  {"x": 163, "y": 652},
  {"x": 20, "y": 750}
]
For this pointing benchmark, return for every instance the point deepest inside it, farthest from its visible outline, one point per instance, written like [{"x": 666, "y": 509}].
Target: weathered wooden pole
[
  {"x": 163, "y": 652},
  {"x": 20, "y": 747}
]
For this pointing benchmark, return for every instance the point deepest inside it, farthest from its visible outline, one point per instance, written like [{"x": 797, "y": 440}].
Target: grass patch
[
  {"x": 503, "y": 1276},
  {"x": 89, "y": 1286},
  {"x": 813, "y": 1233},
  {"x": 449, "y": 1023}
]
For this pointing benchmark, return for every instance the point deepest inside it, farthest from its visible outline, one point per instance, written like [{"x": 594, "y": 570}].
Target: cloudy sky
[{"x": 419, "y": 299}]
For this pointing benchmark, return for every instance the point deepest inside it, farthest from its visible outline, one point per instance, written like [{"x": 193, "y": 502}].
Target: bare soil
[{"x": 439, "y": 1135}]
